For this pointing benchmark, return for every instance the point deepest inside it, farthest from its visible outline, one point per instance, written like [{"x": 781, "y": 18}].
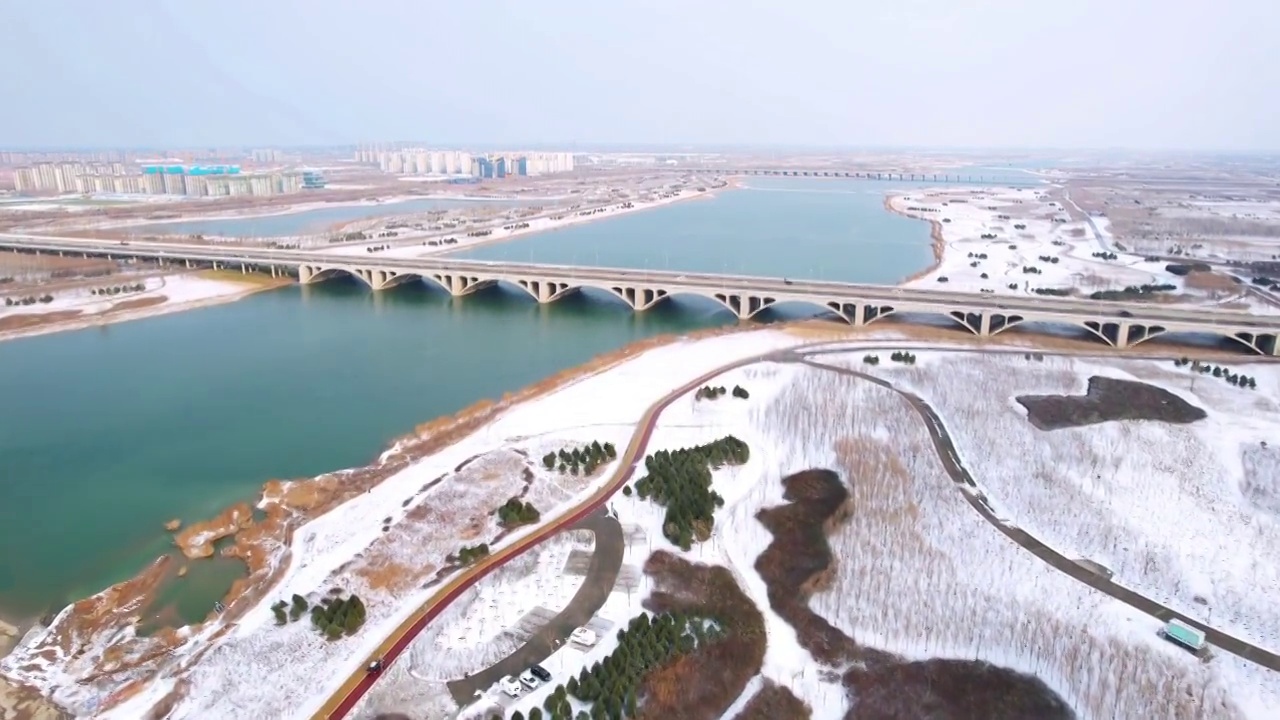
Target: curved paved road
[
  {"x": 359, "y": 682},
  {"x": 950, "y": 458},
  {"x": 602, "y": 574}
]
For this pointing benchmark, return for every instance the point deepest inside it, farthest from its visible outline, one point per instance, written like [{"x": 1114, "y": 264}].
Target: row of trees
[
  {"x": 468, "y": 554},
  {"x": 1218, "y": 371},
  {"x": 119, "y": 289},
  {"x": 333, "y": 617},
  {"x": 377, "y": 248},
  {"x": 1031, "y": 270},
  {"x": 514, "y": 513},
  {"x": 446, "y": 241},
  {"x": 585, "y": 459},
  {"x": 612, "y": 686},
  {"x": 1051, "y": 259},
  {"x": 1131, "y": 291},
  {"x": 706, "y": 392},
  {"x": 1106, "y": 256},
  {"x": 479, "y": 233},
  {"x": 1055, "y": 292},
  {"x": 517, "y": 226},
  {"x": 680, "y": 481},
  {"x": 29, "y": 300},
  {"x": 904, "y": 357}
]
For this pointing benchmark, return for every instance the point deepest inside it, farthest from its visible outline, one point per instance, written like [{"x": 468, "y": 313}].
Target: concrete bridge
[
  {"x": 1118, "y": 324},
  {"x": 858, "y": 175}
]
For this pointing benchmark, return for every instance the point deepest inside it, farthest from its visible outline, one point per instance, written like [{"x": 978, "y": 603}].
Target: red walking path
[{"x": 360, "y": 682}]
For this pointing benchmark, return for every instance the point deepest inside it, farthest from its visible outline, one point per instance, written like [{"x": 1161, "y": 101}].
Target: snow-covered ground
[
  {"x": 179, "y": 292},
  {"x": 1164, "y": 507},
  {"x": 920, "y": 573},
  {"x": 1048, "y": 241},
  {"x": 226, "y": 675},
  {"x": 923, "y": 575}
]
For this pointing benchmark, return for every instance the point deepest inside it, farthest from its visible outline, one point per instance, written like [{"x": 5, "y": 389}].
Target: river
[{"x": 109, "y": 432}]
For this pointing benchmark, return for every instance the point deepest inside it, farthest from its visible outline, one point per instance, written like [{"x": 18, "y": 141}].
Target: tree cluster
[
  {"x": 1184, "y": 268},
  {"x": 1132, "y": 291},
  {"x": 707, "y": 392},
  {"x": 988, "y": 236},
  {"x": 871, "y": 359},
  {"x": 29, "y": 300},
  {"x": 446, "y": 241},
  {"x": 295, "y": 607},
  {"x": 1051, "y": 259},
  {"x": 119, "y": 289},
  {"x": 335, "y": 617},
  {"x": 517, "y": 226},
  {"x": 1218, "y": 371},
  {"x": 904, "y": 357},
  {"x": 479, "y": 233},
  {"x": 1106, "y": 256},
  {"x": 376, "y": 248},
  {"x": 584, "y": 459},
  {"x": 1019, "y": 226},
  {"x": 1031, "y": 270},
  {"x": 978, "y": 256},
  {"x": 612, "y": 685},
  {"x": 1055, "y": 292},
  {"x": 514, "y": 513},
  {"x": 680, "y": 481},
  {"x": 468, "y": 554}
]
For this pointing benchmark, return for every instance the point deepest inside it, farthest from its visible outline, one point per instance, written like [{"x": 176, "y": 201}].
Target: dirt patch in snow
[
  {"x": 1260, "y": 483},
  {"x": 701, "y": 685},
  {"x": 1109, "y": 399},
  {"x": 773, "y": 701}
]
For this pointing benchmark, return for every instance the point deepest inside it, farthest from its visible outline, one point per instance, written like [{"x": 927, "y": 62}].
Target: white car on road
[
  {"x": 528, "y": 680},
  {"x": 583, "y": 636},
  {"x": 510, "y": 686}
]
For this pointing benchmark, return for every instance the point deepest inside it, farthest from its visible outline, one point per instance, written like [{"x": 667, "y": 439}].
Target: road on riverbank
[{"x": 954, "y": 466}]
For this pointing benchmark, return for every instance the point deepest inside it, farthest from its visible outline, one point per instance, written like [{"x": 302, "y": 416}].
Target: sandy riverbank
[
  {"x": 164, "y": 294},
  {"x": 939, "y": 244}
]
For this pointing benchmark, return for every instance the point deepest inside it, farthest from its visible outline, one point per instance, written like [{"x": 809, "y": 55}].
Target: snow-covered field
[
  {"x": 920, "y": 573},
  {"x": 1164, "y": 507},
  {"x": 923, "y": 575},
  {"x": 226, "y": 672},
  {"x": 180, "y": 292},
  {"x": 1062, "y": 250}
]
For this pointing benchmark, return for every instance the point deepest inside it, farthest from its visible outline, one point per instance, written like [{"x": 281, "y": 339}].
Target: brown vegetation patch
[
  {"x": 950, "y": 690},
  {"x": 1109, "y": 399},
  {"x": 135, "y": 304},
  {"x": 24, "y": 321},
  {"x": 774, "y": 702},
  {"x": 704, "y": 683},
  {"x": 1212, "y": 282},
  {"x": 798, "y": 560}
]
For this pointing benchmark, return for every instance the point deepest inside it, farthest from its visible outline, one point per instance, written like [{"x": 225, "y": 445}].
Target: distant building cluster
[
  {"x": 159, "y": 179},
  {"x": 422, "y": 161}
]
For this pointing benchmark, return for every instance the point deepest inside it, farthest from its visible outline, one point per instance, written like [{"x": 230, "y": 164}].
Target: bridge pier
[{"x": 985, "y": 324}]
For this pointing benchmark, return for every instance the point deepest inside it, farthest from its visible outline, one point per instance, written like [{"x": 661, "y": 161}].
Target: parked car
[
  {"x": 583, "y": 636},
  {"x": 528, "y": 679},
  {"x": 540, "y": 673},
  {"x": 510, "y": 686}
]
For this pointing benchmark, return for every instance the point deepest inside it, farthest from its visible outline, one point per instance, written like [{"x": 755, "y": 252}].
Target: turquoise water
[
  {"x": 308, "y": 221},
  {"x": 803, "y": 228},
  {"x": 109, "y": 432}
]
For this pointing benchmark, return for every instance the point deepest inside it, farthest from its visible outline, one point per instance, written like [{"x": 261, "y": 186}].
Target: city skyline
[{"x": 1001, "y": 75}]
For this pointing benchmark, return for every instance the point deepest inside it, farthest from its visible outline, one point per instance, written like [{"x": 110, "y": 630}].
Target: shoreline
[
  {"x": 938, "y": 244},
  {"x": 81, "y": 322},
  {"x": 264, "y": 545}
]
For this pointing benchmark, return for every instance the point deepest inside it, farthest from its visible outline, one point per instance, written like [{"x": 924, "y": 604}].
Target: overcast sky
[{"x": 1150, "y": 74}]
